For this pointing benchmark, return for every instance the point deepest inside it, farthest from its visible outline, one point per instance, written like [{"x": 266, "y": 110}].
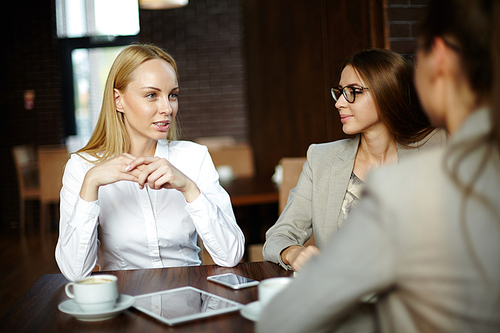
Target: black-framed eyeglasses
[{"x": 349, "y": 92}]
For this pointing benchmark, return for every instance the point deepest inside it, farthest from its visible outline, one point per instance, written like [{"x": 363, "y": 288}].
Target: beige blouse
[{"x": 351, "y": 198}]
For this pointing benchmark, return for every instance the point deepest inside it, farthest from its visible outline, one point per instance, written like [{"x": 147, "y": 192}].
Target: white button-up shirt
[{"x": 129, "y": 228}]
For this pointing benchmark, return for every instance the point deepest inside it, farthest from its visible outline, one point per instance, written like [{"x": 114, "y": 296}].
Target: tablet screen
[{"x": 183, "y": 304}]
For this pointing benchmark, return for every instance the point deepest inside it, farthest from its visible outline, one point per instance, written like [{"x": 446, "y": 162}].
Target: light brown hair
[{"x": 110, "y": 138}]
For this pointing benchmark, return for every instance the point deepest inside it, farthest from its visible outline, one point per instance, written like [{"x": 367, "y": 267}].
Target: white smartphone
[{"x": 233, "y": 281}]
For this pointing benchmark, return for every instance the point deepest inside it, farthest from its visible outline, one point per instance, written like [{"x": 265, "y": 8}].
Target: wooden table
[
  {"x": 255, "y": 204},
  {"x": 37, "y": 310},
  {"x": 251, "y": 191}
]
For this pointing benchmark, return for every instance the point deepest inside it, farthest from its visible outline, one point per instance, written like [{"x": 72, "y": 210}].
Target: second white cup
[
  {"x": 97, "y": 293},
  {"x": 269, "y": 288}
]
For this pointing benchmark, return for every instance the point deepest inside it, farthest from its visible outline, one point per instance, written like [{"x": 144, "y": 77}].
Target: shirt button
[{"x": 82, "y": 247}]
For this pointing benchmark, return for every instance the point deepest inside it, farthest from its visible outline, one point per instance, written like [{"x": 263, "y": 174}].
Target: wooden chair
[
  {"x": 205, "y": 257},
  {"x": 226, "y": 152},
  {"x": 51, "y": 163},
  {"x": 216, "y": 142},
  {"x": 27, "y": 178},
  {"x": 238, "y": 156},
  {"x": 292, "y": 167}
]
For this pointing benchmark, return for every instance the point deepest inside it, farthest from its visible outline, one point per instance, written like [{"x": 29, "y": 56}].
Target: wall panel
[{"x": 294, "y": 50}]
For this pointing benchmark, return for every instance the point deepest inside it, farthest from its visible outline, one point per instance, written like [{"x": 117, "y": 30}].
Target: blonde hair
[{"x": 110, "y": 138}]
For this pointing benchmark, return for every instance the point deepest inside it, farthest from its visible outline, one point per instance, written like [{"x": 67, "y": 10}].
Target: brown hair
[
  {"x": 110, "y": 138},
  {"x": 472, "y": 29},
  {"x": 475, "y": 29},
  {"x": 389, "y": 76}
]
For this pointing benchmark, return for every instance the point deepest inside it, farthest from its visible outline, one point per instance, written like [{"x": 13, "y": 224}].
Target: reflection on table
[{"x": 37, "y": 310}]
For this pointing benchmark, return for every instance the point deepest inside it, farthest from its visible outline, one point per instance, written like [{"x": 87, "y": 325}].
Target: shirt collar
[{"x": 162, "y": 148}]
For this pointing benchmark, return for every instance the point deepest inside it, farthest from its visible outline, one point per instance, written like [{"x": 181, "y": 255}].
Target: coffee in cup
[
  {"x": 269, "y": 288},
  {"x": 97, "y": 293},
  {"x": 94, "y": 280}
]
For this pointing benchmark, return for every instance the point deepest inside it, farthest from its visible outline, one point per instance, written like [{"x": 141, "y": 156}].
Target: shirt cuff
[
  {"x": 282, "y": 245},
  {"x": 85, "y": 212},
  {"x": 280, "y": 261}
]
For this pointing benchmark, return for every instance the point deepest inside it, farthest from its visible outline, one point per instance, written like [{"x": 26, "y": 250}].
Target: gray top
[
  {"x": 431, "y": 256},
  {"x": 315, "y": 203},
  {"x": 351, "y": 199}
]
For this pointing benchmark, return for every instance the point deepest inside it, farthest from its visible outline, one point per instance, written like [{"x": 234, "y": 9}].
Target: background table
[
  {"x": 255, "y": 205},
  {"x": 37, "y": 310},
  {"x": 251, "y": 191}
]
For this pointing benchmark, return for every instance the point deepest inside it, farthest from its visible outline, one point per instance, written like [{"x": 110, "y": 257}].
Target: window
[
  {"x": 86, "y": 18},
  {"x": 90, "y": 69},
  {"x": 92, "y": 33}
]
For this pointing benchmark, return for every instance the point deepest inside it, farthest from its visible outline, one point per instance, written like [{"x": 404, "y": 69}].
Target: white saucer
[
  {"x": 252, "y": 311},
  {"x": 72, "y": 308}
]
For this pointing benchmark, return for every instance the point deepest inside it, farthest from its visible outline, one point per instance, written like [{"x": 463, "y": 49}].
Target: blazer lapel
[{"x": 340, "y": 173}]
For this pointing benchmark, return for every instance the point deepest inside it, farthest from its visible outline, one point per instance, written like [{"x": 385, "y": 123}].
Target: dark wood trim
[
  {"x": 294, "y": 51},
  {"x": 379, "y": 24}
]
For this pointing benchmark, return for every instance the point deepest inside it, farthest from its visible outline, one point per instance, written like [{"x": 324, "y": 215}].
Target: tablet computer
[{"x": 184, "y": 304}]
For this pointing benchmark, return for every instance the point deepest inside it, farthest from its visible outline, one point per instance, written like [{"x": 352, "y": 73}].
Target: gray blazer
[
  {"x": 433, "y": 258},
  {"x": 316, "y": 201}
]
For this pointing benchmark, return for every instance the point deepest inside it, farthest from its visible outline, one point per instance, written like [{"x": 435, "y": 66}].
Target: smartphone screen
[{"x": 233, "y": 281}]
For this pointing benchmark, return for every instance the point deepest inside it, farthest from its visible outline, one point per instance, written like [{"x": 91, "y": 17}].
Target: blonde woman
[{"x": 134, "y": 196}]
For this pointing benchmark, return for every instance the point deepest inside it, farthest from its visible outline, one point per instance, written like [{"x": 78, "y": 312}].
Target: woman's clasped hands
[{"x": 156, "y": 172}]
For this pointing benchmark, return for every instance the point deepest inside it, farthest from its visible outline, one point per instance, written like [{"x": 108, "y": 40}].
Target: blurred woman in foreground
[{"x": 428, "y": 245}]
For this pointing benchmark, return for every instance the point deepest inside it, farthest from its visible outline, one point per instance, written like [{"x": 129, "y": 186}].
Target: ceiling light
[{"x": 162, "y": 4}]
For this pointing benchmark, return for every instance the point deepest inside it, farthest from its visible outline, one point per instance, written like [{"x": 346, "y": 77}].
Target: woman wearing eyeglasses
[
  {"x": 377, "y": 102},
  {"x": 425, "y": 237}
]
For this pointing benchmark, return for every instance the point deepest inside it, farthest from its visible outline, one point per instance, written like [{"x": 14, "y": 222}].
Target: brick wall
[
  {"x": 403, "y": 16},
  {"x": 206, "y": 39},
  {"x": 30, "y": 57}
]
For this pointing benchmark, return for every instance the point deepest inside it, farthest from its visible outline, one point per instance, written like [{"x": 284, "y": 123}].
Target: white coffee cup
[
  {"x": 269, "y": 288},
  {"x": 96, "y": 293}
]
